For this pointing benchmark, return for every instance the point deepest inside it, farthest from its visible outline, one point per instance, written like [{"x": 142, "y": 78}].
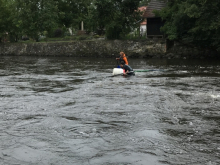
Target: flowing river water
[{"x": 71, "y": 111}]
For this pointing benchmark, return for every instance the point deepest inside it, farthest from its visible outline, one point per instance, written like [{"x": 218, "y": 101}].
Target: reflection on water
[{"x": 71, "y": 111}]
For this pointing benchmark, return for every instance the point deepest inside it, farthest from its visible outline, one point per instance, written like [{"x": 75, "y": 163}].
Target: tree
[
  {"x": 118, "y": 17},
  {"x": 14, "y": 29},
  {"x": 194, "y": 22},
  {"x": 72, "y": 12},
  {"x": 144, "y": 3},
  {"x": 37, "y": 16},
  {"x": 4, "y": 18}
]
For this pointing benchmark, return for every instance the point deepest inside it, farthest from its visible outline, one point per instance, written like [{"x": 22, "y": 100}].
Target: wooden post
[{"x": 82, "y": 28}]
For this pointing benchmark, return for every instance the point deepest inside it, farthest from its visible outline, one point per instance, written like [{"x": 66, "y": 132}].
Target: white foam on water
[{"x": 215, "y": 96}]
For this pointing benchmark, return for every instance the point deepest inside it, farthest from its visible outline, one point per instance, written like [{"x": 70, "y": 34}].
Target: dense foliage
[
  {"x": 190, "y": 21},
  {"x": 194, "y": 22},
  {"x": 35, "y": 18},
  {"x": 144, "y": 3},
  {"x": 118, "y": 17},
  {"x": 4, "y": 18},
  {"x": 72, "y": 12}
]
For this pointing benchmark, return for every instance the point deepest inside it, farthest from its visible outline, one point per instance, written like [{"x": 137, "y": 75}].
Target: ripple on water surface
[{"x": 70, "y": 111}]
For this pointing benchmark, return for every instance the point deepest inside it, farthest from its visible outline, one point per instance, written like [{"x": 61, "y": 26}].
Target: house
[
  {"x": 154, "y": 23},
  {"x": 143, "y": 24}
]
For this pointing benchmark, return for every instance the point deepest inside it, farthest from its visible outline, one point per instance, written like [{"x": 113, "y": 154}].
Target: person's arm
[
  {"x": 125, "y": 72},
  {"x": 117, "y": 58}
]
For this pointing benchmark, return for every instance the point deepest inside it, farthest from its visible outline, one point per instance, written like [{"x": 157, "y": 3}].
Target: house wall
[
  {"x": 143, "y": 30},
  {"x": 143, "y": 24}
]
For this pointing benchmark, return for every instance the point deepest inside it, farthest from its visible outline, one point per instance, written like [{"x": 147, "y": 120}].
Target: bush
[
  {"x": 82, "y": 37},
  {"x": 58, "y": 33},
  {"x": 96, "y": 36}
]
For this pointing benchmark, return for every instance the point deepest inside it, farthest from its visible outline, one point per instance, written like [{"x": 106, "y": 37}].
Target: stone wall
[
  {"x": 94, "y": 48},
  {"x": 179, "y": 50},
  {"x": 150, "y": 48}
]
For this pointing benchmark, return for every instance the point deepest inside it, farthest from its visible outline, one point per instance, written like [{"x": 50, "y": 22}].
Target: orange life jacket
[{"x": 125, "y": 59}]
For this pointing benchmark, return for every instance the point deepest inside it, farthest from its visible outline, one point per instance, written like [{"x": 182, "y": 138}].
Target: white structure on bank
[{"x": 143, "y": 24}]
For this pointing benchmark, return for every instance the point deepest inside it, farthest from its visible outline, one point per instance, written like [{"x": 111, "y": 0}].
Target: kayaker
[
  {"x": 122, "y": 58},
  {"x": 127, "y": 68}
]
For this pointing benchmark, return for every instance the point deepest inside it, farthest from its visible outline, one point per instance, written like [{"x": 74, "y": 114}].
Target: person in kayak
[
  {"x": 127, "y": 68},
  {"x": 122, "y": 58}
]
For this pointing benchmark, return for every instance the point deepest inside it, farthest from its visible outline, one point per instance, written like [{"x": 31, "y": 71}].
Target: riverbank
[{"x": 149, "y": 48}]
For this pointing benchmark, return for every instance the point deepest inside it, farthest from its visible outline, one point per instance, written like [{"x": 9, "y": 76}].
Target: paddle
[{"x": 148, "y": 70}]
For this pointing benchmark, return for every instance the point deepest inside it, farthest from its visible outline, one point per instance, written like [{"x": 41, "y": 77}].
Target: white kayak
[{"x": 118, "y": 71}]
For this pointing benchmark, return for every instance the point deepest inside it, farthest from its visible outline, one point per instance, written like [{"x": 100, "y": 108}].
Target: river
[{"x": 71, "y": 111}]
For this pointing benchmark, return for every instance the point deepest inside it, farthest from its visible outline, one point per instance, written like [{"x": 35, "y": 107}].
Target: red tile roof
[
  {"x": 154, "y": 5},
  {"x": 143, "y": 8}
]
